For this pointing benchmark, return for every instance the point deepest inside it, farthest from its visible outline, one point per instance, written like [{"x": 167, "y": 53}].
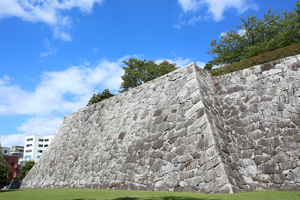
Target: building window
[
  {"x": 6, "y": 160},
  {"x": 27, "y": 157},
  {"x": 41, "y": 140},
  {"x": 40, "y": 151},
  {"x": 5, "y": 151},
  {"x": 29, "y": 145},
  {"x": 29, "y": 139},
  {"x": 28, "y": 151},
  {"x": 46, "y": 145},
  {"x": 46, "y": 140},
  {"x": 12, "y": 164},
  {"x": 40, "y": 145},
  {"x": 10, "y": 174},
  {"x": 38, "y": 156}
]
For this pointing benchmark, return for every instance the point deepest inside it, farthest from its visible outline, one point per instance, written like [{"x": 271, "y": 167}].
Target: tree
[
  {"x": 26, "y": 168},
  {"x": 256, "y": 36},
  {"x": 4, "y": 168},
  {"x": 99, "y": 97},
  {"x": 138, "y": 72}
]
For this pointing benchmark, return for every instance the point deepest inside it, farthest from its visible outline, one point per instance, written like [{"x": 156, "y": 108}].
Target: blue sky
[{"x": 56, "y": 53}]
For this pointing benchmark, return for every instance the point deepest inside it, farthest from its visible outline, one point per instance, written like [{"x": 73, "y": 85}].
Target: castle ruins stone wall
[{"x": 184, "y": 131}]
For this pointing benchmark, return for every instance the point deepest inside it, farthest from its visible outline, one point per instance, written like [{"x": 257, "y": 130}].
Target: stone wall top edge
[{"x": 257, "y": 68}]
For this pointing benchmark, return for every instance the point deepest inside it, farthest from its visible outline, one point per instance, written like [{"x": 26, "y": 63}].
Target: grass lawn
[{"x": 85, "y": 194}]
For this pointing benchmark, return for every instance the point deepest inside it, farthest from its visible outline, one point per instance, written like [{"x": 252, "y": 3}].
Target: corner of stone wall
[{"x": 222, "y": 143}]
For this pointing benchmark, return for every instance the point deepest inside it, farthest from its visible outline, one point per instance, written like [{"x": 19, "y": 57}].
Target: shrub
[
  {"x": 100, "y": 97},
  {"x": 291, "y": 50}
]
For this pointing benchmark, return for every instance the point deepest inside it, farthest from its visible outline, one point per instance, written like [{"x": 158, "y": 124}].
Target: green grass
[{"x": 85, "y": 194}]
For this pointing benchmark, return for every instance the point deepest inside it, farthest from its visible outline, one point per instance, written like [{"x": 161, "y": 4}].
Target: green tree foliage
[
  {"x": 138, "y": 72},
  {"x": 99, "y": 97},
  {"x": 4, "y": 168},
  {"x": 256, "y": 36},
  {"x": 26, "y": 168}
]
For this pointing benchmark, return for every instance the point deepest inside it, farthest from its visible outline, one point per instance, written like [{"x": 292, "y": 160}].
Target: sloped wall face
[
  {"x": 261, "y": 106},
  {"x": 154, "y": 137}
]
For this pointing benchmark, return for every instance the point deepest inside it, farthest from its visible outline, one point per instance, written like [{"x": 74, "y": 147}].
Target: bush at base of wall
[{"x": 291, "y": 50}]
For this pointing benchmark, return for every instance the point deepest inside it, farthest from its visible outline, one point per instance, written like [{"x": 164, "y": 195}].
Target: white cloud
[
  {"x": 5, "y": 80},
  {"x": 46, "y": 11},
  {"x": 48, "y": 53},
  {"x": 12, "y": 140},
  {"x": 61, "y": 91},
  {"x": 240, "y": 32},
  {"x": 95, "y": 50},
  {"x": 85, "y": 62},
  {"x": 41, "y": 126},
  {"x": 180, "y": 62},
  {"x": 194, "y": 20},
  {"x": 223, "y": 34},
  {"x": 190, "y": 5},
  {"x": 58, "y": 33},
  {"x": 216, "y": 8},
  {"x": 50, "y": 50},
  {"x": 200, "y": 64}
]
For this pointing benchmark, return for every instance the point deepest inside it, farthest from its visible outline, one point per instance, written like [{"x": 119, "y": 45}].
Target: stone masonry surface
[{"x": 184, "y": 131}]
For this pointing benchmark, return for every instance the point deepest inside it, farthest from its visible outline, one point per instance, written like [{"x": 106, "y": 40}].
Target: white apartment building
[
  {"x": 35, "y": 146},
  {"x": 6, "y": 150}
]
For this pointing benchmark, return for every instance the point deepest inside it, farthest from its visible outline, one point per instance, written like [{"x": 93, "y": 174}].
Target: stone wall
[
  {"x": 261, "y": 106},
  {"x": 184, "y": 132}
]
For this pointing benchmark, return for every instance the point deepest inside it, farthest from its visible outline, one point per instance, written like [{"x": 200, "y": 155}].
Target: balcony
[
  {"x": 15, "y": 175},
  {"x": 17, "y": 166}
]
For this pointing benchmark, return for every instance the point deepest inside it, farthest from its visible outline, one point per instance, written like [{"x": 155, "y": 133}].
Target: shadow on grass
[
  {"x": 154, "y": 198},
  {"x": 84, "y": 199},
  {"x": 2, "y": 191}
]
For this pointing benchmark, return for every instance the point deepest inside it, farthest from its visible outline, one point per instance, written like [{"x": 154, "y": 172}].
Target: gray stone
[
  {"x": 157, "y": 165},
  {"x": 247, "y": 145},
  {"x": 209, "y": 176},
  {"x": 261, "y": 159},
  {"x": 262, "y": 178},
  {"x": 294, "y": 175},
  {"x": 158, "y": 144},
  {"x": 278, "y": 178},
  {"x": 281, "y": 157},
  {"x": 173, "y": 180},
  {"x": 270, "y": 168}
]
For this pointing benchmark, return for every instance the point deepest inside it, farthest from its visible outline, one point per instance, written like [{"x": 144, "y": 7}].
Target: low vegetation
[{"x": 257, "y": 60}]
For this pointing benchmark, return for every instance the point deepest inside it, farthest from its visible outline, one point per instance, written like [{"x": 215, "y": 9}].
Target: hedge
[{"x": 291, "y": 50}]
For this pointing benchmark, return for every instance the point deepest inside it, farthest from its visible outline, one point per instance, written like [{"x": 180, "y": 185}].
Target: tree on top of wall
[
  {"x": 138, "y": 72},
  {"x": 256, "y": 36}
]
